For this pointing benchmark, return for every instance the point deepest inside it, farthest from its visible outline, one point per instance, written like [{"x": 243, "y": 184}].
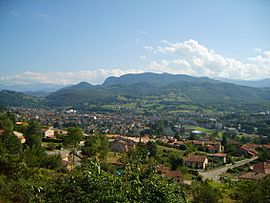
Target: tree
[
  {"x": 152, "y": 148},
  {"x": 12, "y": 143},
  {"x": 213, "y": 135},
  {"x": 230, "y": 135},
  {"x": 33, "y": 134},
  {"x": 34, "y": 155},
  {"x": 224, "y": 140},
  {"x": 205, "y": 192},
  {"x": 264, "y": 154},
  {"x": 103, "y": 147},
  {"x": 182, "y": 130},
  {"x": 6, "y": 123},
  {"x": 176, "y": 161},
  {"x": 72, "y": 140},
  {"x": 91, "y": 146},
  {"x": 52, "y": 162},
  {"x": 96, "y": 145},
  {"x": 247, "y": 191}
]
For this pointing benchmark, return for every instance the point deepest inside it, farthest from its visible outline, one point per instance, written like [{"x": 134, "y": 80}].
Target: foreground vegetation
[{"x": 28, "y": 174}]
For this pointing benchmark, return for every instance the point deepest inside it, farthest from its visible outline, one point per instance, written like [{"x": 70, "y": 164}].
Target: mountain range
[
  {"x": 152, "y": 89},
  {"x": 251, "y": 83},
  {"x": 40, "y": 89}
]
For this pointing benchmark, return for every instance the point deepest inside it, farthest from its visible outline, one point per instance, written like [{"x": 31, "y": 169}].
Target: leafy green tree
[
  {"x": 52, "y": 162},
  {"x": 34, "y": 155},
  {"x": 12, "y": 143},
  {"x": 204, "y": 192},
  {"x": 10, "y": 147},
  {"x": 104, "y": 146},
  {"x": 9, "y": 158},
  {"x": 264, "y": 154},
  {"x": 230, "y": 135},
  {"x": 97, "y": 145},
  {"x": 91, "y": 146},
  {"x": 249, "y": 192},
  {"x": 213, "y": 135},
  {"x": 152, "y": 148},
  {"x": 176, "y": 161},
  {"x": 182, "y": 130},
  {"x": 72, "y": 140},
  {"x": 5, "y": 123},
  {"x": 89, "y": 180},
  {"x": 253, "y": 191},
  {"x": 33, "y": 134}
]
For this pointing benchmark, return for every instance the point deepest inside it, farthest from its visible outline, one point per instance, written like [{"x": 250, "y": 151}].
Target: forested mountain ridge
[
  {"x": 13, "y": 98},
  {"x": 149, "y": 87}
]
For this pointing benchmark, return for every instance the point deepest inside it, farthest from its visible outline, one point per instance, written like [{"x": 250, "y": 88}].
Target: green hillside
[{"x": 152, "y": 92}]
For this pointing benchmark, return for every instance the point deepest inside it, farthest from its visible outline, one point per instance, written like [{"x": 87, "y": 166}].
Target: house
[
  {"x": 19, "y": 123},
  {"x": 59, "y": 132},
  {"x": 2, "y": 131},
  {"x": 17, "y": 134},
  {"x": 262, "y": 167},
  {"x": 211, "y": 149},
  {"x": 168, "y": 173},
  {"x": 121, "y": 144},
  {"x": 217, "y": 145},
  {"x": 20, "y": 136},
  {"x": 198, "y": 143},
  {"x": 196, "y": 161},
  {"x": 260, "y": 170},
  {"x": 178, "y": 144},
  {"x": 66, "y": 162},
  {"x": 211, "y": 146},
  {"x": 249, "y": 150},
  {"x": 171, "y": 139},
  {"x": 251, "y": 176},
  {"x": 220, "y": 156},
  {"x": 143, "y": 139},
  {"x": 266, "y": 146},
  {"x": 48, "y": 132}
]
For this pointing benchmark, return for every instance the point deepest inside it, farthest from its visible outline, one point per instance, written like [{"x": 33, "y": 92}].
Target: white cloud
[
  {"x": 152, "y": 49},
  {"x": 167, "y": 66},
  {"x": 63, "y": 78},
  {"x": 190, "y": 57},
  {"x": 257, "y": 49}
]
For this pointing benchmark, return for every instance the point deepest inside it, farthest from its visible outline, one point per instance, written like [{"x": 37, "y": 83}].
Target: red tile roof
[
  {"x": 252, "y": 175},
  {"x": 252, "y": 152},
  {"x": 167, "y": 172},
  {"x": 210, "y": 147},
  {"x": 196, "y": 158},
  {"x": 267, "y": 146},
  {"x": 219, "y": 154},
  {"x": 262, "y": 167}
]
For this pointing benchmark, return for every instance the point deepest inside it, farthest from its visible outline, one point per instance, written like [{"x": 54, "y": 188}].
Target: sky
[{"x": 68, "y": 41}]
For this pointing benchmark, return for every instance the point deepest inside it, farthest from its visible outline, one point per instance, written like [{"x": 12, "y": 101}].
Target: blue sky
[{"x": 66, "y": 42}]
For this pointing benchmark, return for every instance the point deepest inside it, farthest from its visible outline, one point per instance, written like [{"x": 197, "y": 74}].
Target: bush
[
  {"x": 52, "y": 140},
  {"x": 183, "y": 147},
  {"x": 60, "y": 146},
  {"x": 51, "y": 146},
  {"x": 184, "y": 169},
  {"x": 193, "y": 172}
]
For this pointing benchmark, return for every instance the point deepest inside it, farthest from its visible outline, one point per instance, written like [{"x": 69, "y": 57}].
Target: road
[{"x": 215, "y": 173}]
